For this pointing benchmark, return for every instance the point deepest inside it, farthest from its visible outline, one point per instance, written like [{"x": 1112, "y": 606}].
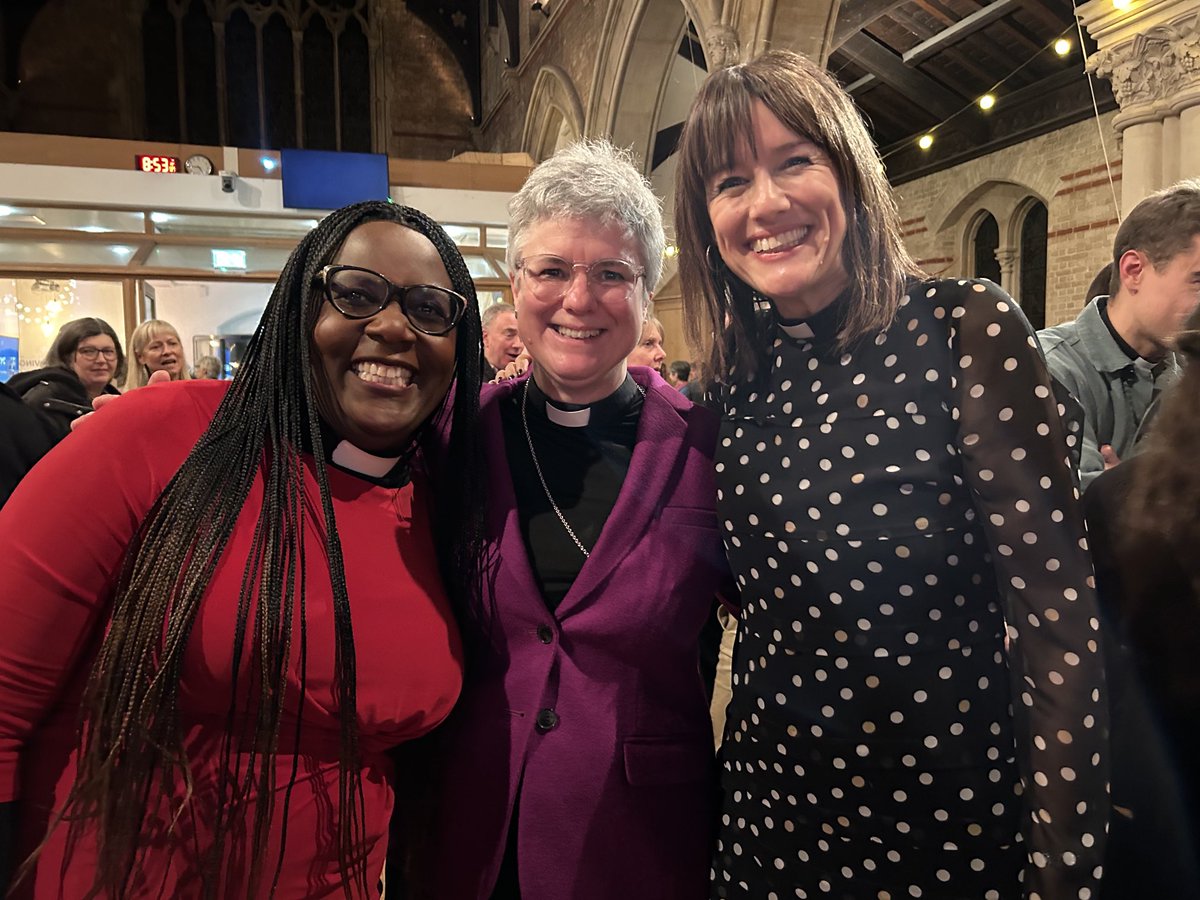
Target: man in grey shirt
[{"x": 1116, "y": 355}]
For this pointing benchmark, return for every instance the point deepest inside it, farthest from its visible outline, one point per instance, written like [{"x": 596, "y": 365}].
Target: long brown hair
[
  {"x": 1164, "y": 493},
  {"x": 720, "y": 314},
  {"x": 133, "y": 754}
]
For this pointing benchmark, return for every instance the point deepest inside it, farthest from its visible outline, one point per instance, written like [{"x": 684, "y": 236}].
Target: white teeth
[
  {"x": 780, "y": 241},
  {"x": 374, "y": 373},
  {"x": 576, "y": 332}
]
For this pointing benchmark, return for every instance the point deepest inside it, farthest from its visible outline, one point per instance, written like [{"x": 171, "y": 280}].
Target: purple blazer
[{"x": 597, "y": 713}]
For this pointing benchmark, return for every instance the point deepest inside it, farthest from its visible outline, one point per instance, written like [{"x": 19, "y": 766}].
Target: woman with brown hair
[
  {"x": 83, "y": 362},
  {"x": 1144, "y": 531},
  {"x": 916, "y": 706}
]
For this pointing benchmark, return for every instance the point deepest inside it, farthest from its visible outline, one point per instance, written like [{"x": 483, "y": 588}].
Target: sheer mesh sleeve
[{"x": 1016, "y": 461}]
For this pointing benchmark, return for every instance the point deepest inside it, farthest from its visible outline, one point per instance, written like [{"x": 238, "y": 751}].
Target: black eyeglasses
[{"x": 360, "y": 293}]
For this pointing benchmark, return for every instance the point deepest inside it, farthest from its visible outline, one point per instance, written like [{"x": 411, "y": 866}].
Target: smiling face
[
  {"x": 778, "y": 218},
  {"x": 377, "y": 379},
  {"x": 649, "y": 351},
  {"x": 501, "y": 340},
  {"x": 162, "y": 351},
  {"x": 579, "y": 339},
  {"x": 97, "y": 371}
]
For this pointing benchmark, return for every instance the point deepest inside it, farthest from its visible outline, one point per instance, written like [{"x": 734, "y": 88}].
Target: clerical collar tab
[
  {"x": 568, "y": 418},
  {"x": 346, "y": 456},
  {"x": 801, "y": 331}
]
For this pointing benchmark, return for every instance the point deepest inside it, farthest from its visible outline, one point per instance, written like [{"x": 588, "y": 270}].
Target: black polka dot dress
[{"x": 917, "y": 688}]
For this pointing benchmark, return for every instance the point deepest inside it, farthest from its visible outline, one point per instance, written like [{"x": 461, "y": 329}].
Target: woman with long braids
[{"x": 246, "y": 608}]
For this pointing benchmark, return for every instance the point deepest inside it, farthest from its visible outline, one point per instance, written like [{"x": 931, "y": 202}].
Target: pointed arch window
[
  {"x": 985, "y": 242},
  {"x": 1032, "y": 290},
  {"x": 252, "y": 75}
]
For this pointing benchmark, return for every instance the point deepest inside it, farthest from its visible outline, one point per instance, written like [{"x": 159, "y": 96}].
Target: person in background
[
  {"x": 25, "y": 437},
  {"x": 678, "y": 373},
  {"x": 917, "y": 695},
  {"x": 82, "y": 363},
  {"x": 578, "y": 764},
  {"x": 649, "y": 350},
  {"x": 501, "y": 341},
  {"x": 1144, "y": 533},
  {"x": 208, "y": 367},
  {"x": 153, "y": 346},
  {"x": 250, "y": 617},
  {"x": 1115, "y": 356}
]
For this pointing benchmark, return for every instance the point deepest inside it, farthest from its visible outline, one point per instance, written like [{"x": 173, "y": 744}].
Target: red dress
[{"x": 64, "y": 532}]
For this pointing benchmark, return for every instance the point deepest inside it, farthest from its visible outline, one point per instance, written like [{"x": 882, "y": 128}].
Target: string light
[
  {"x": 1121, "y": 4},
  {"x": 988, "y": 100}
]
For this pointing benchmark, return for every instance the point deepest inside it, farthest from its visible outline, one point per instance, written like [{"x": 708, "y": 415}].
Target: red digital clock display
[{"x": 165, "y": 165}]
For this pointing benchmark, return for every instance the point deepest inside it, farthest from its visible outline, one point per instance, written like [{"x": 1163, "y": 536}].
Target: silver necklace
[{"x": 538, "y": 468}]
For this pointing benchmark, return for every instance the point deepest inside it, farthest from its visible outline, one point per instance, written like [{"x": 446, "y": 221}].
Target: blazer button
[
  {"x": 547, "y": 720},
  {"x": 545, "y": 634}
]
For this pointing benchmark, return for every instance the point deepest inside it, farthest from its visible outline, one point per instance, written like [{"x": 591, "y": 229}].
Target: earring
[{"x": 709, "y": 262}]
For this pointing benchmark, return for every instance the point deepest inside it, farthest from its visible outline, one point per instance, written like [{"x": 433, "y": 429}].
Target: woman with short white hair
[{"x": 578, "y": 763}]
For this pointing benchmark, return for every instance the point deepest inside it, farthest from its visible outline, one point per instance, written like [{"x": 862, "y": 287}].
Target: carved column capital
[
  {"x": 1154, "y": 74},
  {"x": 722, "y": 46}
]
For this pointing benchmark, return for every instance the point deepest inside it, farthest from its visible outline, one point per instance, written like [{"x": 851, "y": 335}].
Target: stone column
[
  {"x": 1007, "y": 257},
  {"x": 1142, "y": 162},
  {"x": 1171, "y": 150},
  {"x": 1151, "y": 54}
]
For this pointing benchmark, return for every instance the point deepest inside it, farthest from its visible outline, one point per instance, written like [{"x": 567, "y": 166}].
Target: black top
[
  {"x": 584, "y": 468},
  {"x": 902, "y": 524}
]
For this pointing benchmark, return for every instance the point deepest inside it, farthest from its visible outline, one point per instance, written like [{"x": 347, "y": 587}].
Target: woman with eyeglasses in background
[
  {"x": 579, "y": 764},
  {"x": 250, "y": 611},
  {"x": 84, "y": 361}
]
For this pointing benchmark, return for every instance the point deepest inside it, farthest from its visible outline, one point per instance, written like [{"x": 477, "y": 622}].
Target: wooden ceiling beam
[
  {"x": 888, "y": 67},
  {"x": 964, "y": 28},
  {"x": 855, "y": 15}
]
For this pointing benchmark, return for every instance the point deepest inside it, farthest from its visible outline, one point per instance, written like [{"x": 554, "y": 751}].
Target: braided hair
[{"x": 133, "y": 751}]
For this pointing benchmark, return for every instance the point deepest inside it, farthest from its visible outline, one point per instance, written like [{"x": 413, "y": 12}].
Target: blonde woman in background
[
  {"x": 649, "y": 350},
  {"x": 155, "y": 345}
]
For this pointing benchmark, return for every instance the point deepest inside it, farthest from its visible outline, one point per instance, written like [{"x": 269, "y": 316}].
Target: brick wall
[{"x": 1064, "y": 169}]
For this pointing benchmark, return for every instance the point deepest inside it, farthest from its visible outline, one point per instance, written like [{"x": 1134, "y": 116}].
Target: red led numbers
[{"x": 165, "y": 165}]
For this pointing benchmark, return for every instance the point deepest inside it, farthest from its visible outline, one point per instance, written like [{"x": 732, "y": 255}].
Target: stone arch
[
  {"x": 629, "y": 78},
  {"x": 555, "y": 115}
]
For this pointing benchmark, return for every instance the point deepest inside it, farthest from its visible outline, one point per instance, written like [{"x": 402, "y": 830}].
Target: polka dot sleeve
[{"x": 1015, "y": 460}]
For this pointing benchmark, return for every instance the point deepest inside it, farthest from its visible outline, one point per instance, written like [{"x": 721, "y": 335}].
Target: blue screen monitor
[
  {"x": 325, "y": 179},
  {"x": 8, "y": 357}
]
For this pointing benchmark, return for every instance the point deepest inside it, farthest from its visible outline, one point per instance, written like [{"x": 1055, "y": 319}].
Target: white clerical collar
[
  {"x": 801, "y": 331},
  {"x": 346, "y": 456},
  {"x": 569, "y": 418}
]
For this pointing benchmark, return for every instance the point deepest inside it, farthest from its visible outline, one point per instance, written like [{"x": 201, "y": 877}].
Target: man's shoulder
[{"x": 1064, "y": 334}]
